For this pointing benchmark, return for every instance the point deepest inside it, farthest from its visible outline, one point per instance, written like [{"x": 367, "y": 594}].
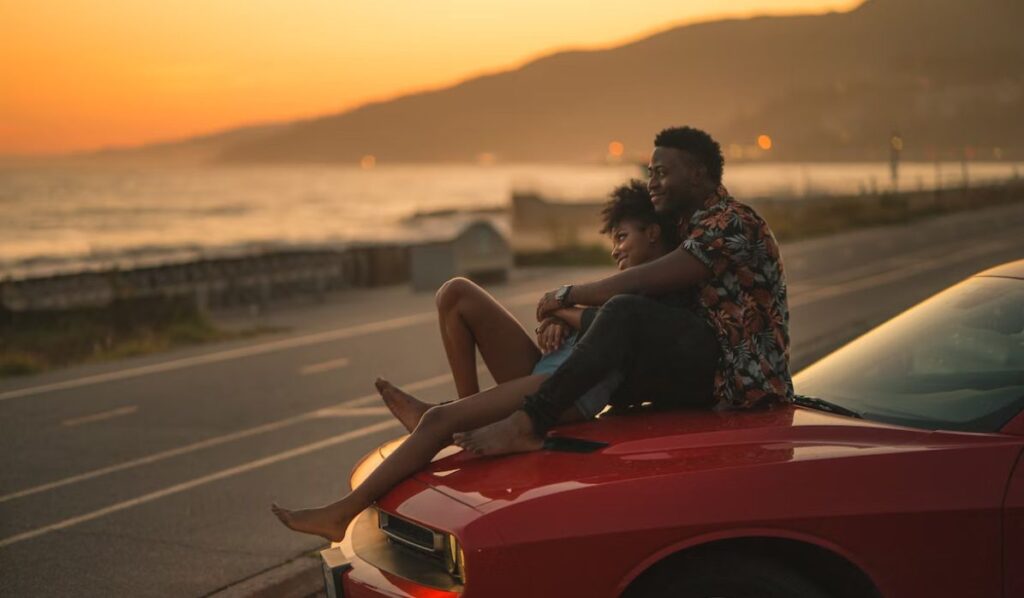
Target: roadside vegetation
[{"x": 35, "y": 341}]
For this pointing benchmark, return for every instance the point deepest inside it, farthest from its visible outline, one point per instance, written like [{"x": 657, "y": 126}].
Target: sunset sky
[{"x": 78, "y": 74}]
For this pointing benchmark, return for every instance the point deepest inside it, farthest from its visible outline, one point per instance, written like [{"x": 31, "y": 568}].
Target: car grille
[{"x": 412, "y": 535}]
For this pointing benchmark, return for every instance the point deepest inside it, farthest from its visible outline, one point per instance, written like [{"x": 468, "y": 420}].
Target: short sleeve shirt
[{"x": 744, "y": 301}]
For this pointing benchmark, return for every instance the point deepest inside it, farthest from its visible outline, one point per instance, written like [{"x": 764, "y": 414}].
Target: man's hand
[
  {"x": 551, "y": 333},
  {"x": 547, "y": 305}
]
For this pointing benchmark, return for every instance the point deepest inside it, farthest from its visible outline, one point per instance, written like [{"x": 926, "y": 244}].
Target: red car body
[{"x": 858, "y": 507}]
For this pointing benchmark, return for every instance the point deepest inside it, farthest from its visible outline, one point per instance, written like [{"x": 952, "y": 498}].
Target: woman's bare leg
[
  {"x": 408, "y": 410},
  {"x": 469, "y": 318},
  {"x": 433, "y": 432}
]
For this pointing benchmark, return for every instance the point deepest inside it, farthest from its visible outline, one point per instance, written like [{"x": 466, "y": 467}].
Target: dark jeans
[{"x": 667, "y": 353}]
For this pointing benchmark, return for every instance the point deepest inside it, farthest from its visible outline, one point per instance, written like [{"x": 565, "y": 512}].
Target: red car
[{"x": 897, "y": 473}]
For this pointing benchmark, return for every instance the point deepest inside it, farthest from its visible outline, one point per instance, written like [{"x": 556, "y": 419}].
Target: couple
[{"x": 696, "y": 317}]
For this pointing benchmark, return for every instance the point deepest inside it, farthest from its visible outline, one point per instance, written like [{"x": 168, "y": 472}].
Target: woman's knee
[
  {"x": 434, "y": 419},
  {"x": 453, "y": 291}
]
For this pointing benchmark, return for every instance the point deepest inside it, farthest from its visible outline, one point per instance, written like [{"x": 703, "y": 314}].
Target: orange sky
[{"x": 83, "y": 74}]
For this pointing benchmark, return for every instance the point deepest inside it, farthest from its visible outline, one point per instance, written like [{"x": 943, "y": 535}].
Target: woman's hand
[{"x": 551, "y": 333}]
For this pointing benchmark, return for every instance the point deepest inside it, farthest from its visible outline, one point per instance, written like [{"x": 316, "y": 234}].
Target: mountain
[
  {"x": 203, "y": 149},
  {"x": 944, "y": 73}
]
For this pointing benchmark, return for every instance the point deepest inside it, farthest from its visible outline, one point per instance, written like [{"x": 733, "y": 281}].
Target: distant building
[{"x": 475, "y": 250}]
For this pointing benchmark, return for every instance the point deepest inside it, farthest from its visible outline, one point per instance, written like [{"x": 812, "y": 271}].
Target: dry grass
[{"x": 32, "y": 342}]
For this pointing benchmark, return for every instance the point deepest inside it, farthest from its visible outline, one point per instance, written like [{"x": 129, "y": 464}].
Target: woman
[{"x": 471, "y": 318}]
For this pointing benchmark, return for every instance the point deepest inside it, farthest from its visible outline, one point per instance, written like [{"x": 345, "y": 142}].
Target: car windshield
[{"x": 954, "y": 362}]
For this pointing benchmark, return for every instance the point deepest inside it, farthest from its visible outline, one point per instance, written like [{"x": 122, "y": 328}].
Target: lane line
[
  {"x": 347, "y": 411},
  {"x": 213, "y": 477},
  {"x": 812, "y": 296},
  {"x": 326, "y": 366},
  {"x": 88, "y": 419},
  {"x": 247, "y": 351},
  {"x": 217, "y": 440},
  {"x": 867, "y": 269}
]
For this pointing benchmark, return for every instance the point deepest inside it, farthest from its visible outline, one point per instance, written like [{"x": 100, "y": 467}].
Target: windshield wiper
[{"x": 823, "y": 405}]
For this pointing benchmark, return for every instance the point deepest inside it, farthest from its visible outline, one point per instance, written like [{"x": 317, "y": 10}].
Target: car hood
[{"x": 662, "y": 443}]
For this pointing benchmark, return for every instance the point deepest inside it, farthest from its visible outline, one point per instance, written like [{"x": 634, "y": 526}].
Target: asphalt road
[{"x": 153, "y": 476}]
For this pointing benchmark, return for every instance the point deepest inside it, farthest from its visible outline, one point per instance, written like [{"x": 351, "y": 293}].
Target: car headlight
[{"x": 453, "y": 558}]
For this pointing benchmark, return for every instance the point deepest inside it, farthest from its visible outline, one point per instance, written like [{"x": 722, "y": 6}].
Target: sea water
[{"x": 63, "y": 219}]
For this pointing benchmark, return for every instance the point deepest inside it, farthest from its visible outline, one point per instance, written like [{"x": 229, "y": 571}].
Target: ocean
[{"x": 59, "y": 220}]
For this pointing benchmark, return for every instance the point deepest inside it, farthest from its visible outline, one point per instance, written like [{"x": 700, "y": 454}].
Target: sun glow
[{"x": 83, "y": 75}]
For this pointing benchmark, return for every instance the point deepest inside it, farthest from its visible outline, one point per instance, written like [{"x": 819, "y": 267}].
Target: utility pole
[{"x": 895, "y": 148}]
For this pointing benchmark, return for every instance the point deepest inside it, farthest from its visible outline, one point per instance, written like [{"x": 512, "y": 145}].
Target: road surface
[{"x": 153, "y": 476}]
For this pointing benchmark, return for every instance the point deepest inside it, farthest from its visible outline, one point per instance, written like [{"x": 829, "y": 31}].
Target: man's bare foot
[
  {"x": 514, "y": 434},
  {"x": 405, "y": 407},
  {"x": 327, "y": 522}
]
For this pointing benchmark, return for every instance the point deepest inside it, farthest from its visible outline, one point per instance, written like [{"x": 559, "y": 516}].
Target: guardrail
[{"x": 249, "y": 279}]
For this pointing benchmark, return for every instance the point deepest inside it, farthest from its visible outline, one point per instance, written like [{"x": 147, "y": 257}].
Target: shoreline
[{"x": 68, "y": 222}]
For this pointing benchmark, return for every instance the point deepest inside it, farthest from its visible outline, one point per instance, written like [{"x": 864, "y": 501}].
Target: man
[{"x": 730, "y": 349}]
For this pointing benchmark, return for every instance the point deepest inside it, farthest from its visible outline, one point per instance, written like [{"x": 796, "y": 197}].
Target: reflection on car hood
[{"x": 651, "y": 444}]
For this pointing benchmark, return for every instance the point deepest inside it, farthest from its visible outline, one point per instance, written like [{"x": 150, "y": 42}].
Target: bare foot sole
[
  {"x": 406, "y": 408},
  {"x": 514, "y": 434},
  {"x": 322, "y": 522}
]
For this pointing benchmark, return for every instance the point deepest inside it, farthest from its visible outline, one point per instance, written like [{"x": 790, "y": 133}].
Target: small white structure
[{"x": 476, "y": 250}]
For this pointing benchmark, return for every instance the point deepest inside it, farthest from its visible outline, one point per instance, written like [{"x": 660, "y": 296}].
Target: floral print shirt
[{"x": 744, "y": 301}]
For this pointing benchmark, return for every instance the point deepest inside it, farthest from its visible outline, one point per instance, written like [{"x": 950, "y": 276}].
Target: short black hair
[
  {"x": 698, "y": 144},
  {"x": 632, "y": 201}
]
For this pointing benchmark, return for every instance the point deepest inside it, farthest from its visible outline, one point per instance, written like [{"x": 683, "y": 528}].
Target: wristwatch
[{"x": 562, "y": 295}]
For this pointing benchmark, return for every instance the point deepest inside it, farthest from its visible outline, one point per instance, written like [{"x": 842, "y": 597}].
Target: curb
[{"x": 300, "y": 578}]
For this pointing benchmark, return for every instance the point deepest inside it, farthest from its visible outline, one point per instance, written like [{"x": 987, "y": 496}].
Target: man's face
[{"x": 671, "y": 179}]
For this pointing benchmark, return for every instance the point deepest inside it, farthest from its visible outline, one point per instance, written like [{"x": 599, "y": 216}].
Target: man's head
[
  {"x": 639, "y": 234},
  {"x": 686, "y": 166}
]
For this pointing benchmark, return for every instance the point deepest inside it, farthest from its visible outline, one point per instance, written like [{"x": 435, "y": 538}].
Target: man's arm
[
  {"x": 569, "y": 315},
  {"x": 677, "y": 270}
]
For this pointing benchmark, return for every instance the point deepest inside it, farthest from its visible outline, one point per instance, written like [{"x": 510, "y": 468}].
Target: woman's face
[{"x": 633, "y": 243}]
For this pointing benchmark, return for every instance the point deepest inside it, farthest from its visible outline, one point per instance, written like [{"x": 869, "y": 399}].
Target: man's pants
[{"x": 667, "y": 353}]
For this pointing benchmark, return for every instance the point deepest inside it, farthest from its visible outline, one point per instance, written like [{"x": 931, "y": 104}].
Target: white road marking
[
  {"x": 326, "y": 366},
  {"x": 217, "y": 440},
  {"x": 347, "y": 411},
  {"x": 247, "y": 351},
  {"x": 88, "y": 419},
  {"x": 220, "y": 475},
  {"x": 859, "y": 284}
]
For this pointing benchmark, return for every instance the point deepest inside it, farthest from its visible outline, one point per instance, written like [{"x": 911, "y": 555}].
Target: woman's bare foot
[
  {"x": 405, "y": 407},
  {"x": 514, "y": 434},
  {"x": 327, "y": 522}
]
